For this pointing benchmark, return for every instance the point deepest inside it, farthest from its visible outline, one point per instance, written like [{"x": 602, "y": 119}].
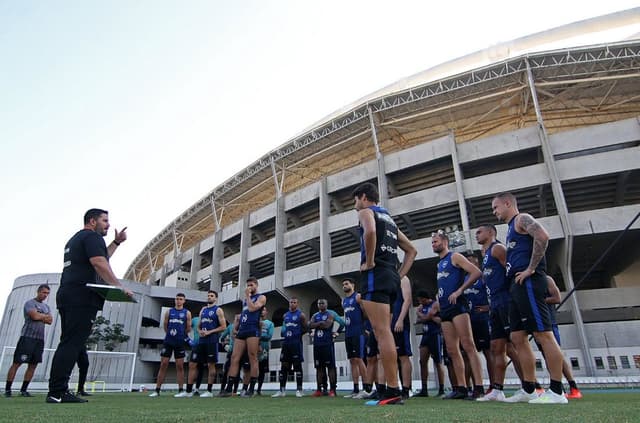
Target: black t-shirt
[{"x": 78, "y": 271}]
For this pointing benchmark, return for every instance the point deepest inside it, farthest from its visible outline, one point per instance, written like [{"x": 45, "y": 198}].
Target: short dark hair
[
  {"x": 351, "y": 281},
  {"x": 368, "y": 189},
  {"x": 180, "y": 294},
  {"x": 252, "y": 279},
  {"x": 490, "y": 226},
  {"x": 211, "y": 291},
  {"x": 93, "y": 214},
  {"x": 423, "y": 293},
  {"x": 44, "y": 286}
]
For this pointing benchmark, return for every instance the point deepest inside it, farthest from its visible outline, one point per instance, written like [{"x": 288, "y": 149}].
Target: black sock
[
  {"x": 7, "y": 386},
  {"x": 356, "y": 387},
  {"x": 245, "y": 386},
  {"x": 392, "y": 392},
  {"x": 252, "y": 383},
  {"x": 537, "y": 385},
  {"x": 498, "y": 386},
  {"x": 528, "y": 387},
  {"x": 298, "y": 380},
  {"x": 157, "y": 390},
  {"x": 556, "y": 386},
  {"x": 572, "y": 384},
  {"x": 405, "y": 391},
  {"x": 231, "y": 382},
  {"x": 424, "y": 386},
  {"x": 478, "y": 389},
  {"x": 25, "y": 385},
  {"x": 367, "y": 387},
  {"x": 381, "y": 388},
  {"x": 180, "y": 389},
  {"x": 189, "y": 387},
  {"x": 463, "y": 390},
  {"x": 209, "y": 387}
]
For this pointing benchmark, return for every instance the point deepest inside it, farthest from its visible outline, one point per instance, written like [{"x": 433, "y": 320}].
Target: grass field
[{"x": 597, "y": 406}]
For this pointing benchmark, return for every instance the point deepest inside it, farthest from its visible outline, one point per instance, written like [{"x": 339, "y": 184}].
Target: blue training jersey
[
  {"x": 352, "y": 316},
  {"x": 322, "y": 336},
  {"x": 386, "y": 253},
  {"x": 292, "y": 327},
  {"x": 519, "y": 249},
  {"x": 494, "y": 276},
  {"x": 476, "y": 295},
  {"x": 176, "y": 329},
  {"x": 450, "y": 278},
  {"x": 249, "y": 320},
  {"x": 209, "y": 321},
  {"x": 429, "y": 327}
]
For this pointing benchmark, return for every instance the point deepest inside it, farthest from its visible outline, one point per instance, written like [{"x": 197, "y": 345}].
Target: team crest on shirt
[
  {"x": 210, "y": 312},
  {"x": 445, "y": 263},
  {"x": 181, "y": 315},
  {"x": 294, "y": 318}
]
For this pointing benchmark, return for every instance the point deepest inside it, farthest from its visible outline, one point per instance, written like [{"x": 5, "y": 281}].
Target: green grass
[{"x": 597, "y": 406}]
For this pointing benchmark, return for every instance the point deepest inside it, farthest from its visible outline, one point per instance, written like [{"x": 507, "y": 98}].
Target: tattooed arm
[{"x": 527, "y": 224}]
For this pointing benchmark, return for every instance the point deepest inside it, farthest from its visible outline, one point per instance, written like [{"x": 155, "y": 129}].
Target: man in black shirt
[{"x": 86, "y": 260}]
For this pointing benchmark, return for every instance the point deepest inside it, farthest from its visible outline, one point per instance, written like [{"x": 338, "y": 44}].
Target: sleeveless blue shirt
[
  {"x": 429, "y": 327},
  {"x": 208, "y": 321},
  {"x": 495, "y": 278},
  {"x": 250, "y": 320},
  {"x": 176, "y": 332},
  {"x": 353, "y": 316},
  {"x": 322, "y": 336},
  {"x": 476, "y": 295},
  {"x": 450, "y": 278},
  {"x": 386, "y": 253},
  {"x": 292, "y": 325},
  {"x": 519, "y": 249}
]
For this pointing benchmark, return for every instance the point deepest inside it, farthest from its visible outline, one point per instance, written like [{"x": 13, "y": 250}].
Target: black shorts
[
  {"x": 248, "y": 333},
  {"x": 433, "y": 343},
  {"x": 205, "y": 353},
  {"x": 379, "y": 285},
  {"x": 178, "y": 351},
  {"x": 403, "y": 342},
  {"x": 28, "y": 350},
  {"x": 499, "y": 323},
  {"x": 481, "y": 334},
  {"x": 324, "y": 356},
  {"x": 372, "y": 345},
  {"x": 452, "y": 311},
  {"x": 355, "y": 346},
  {"x": 528, "y": 311},
  {"x": 292, "y": 353}
]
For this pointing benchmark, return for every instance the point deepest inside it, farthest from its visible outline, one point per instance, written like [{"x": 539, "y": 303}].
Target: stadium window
[
  {"x": 575, "y": 364},
  {"x": 538, "y": 364},
  {"x": 612, "y": 362},
  {"x": 636, "y": 360},
  {"x": 624, "y": 361},
  {"x": 341, "y": 371},
  {"x": 599, "y": 363}
]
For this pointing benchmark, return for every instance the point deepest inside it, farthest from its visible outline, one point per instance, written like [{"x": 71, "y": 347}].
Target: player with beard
[
  {"x": 454, "y": 313},
  {"x": 354, "y": 334},
  {"x": 210, "y": 325},
  {"x": 248, "y": 338}
]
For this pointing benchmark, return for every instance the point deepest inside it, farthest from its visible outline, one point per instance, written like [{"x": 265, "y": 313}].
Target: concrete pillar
[
  {"x": 217, "y": 256},
  {"x": 195, "y": 267},
  {"x": 245, "y": 241},
  {"x": 462, "y": 204},
  {"x": 280, "y": 257},
  {"x": 563, "y": 214}
]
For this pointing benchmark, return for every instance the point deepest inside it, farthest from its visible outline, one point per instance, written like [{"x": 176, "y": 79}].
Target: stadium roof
[{"x": 474, "y": 96}]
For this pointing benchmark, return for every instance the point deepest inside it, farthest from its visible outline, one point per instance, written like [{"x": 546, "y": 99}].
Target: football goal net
[{"x": 108, "y": 370}]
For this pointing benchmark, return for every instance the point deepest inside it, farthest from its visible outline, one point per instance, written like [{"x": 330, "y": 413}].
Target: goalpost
[{"x": 108, "y": 370}]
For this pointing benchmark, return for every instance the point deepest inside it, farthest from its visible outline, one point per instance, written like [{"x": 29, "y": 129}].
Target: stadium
[{"x": 558, "y": 127}]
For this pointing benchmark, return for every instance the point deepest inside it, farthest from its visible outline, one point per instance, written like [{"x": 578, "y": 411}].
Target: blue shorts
[
  {"x": 355, "y": 346},
  {"x": 433, "y": 343}
]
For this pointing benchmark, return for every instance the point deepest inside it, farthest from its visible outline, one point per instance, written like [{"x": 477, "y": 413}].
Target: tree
[{"x": 104, "y": 336}]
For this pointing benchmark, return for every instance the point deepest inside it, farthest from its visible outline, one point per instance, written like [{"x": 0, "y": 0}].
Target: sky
[{"x": 142, "y": 108}]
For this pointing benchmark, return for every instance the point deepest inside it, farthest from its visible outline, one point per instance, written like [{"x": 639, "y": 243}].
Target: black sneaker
[
  {"x": 25, "y": 394},
  {"x": 7, "y": 394},
  {"x": 455, "y": 395},
  {"x": 84, "y": 394},
  {"x": 225, "y": 394},
  {"x": 67, "y": 397},
  {"x": 422, "y": 393},
  {"x": 440, "y": 393},
  {"x": 246, "y": 394}
]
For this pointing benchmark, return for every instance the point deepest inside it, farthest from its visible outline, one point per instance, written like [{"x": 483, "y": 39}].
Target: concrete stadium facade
[{"x": 560, "y": 129}]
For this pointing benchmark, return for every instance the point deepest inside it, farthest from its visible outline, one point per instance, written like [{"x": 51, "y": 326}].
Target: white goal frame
[{"x": 7, "y": 351}]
